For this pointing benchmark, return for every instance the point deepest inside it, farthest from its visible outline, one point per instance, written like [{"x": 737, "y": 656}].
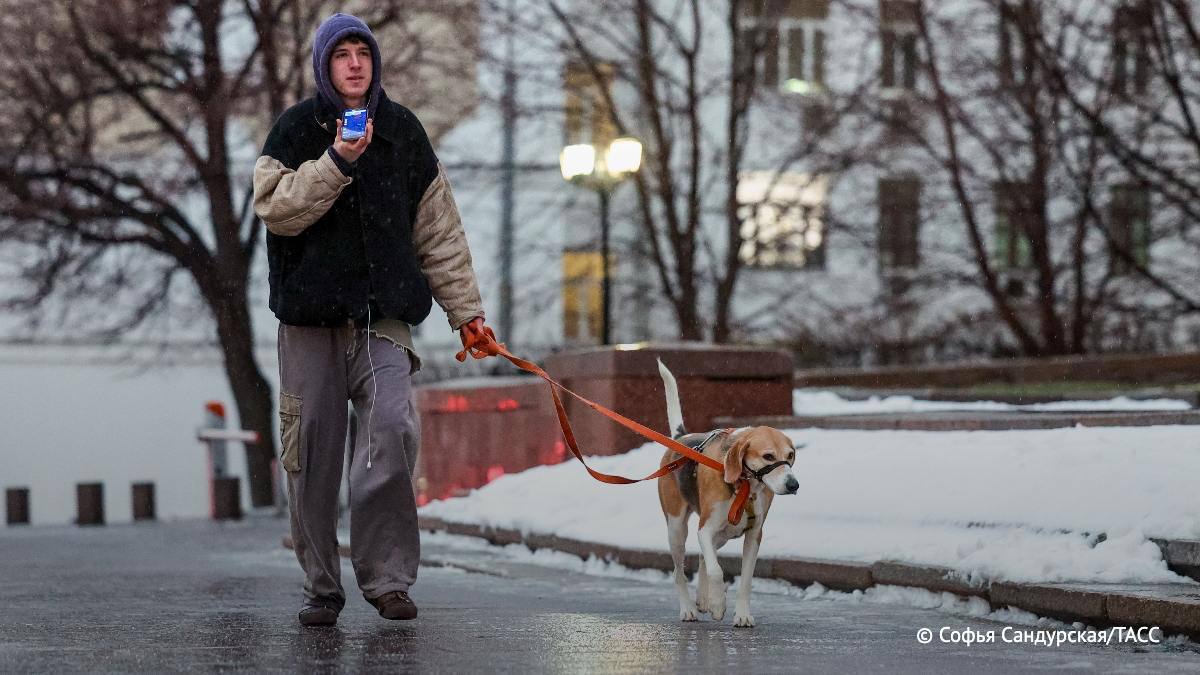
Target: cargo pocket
[{"x": 289, "y": 431}]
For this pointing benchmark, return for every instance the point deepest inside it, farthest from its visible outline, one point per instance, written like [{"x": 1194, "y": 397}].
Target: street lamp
[{"x": 601, "y": 171}]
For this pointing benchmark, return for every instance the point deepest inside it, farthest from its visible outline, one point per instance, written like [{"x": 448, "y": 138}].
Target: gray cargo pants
[{"x": 320, "y": 369}]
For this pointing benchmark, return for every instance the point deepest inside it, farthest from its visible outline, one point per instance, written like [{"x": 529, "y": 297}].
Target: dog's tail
[{"x": 674, "y": 412}]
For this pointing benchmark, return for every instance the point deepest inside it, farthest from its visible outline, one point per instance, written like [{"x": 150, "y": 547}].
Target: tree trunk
[
  {"x": 251, "y": 392},
  {"x": 741, "y": 78}
]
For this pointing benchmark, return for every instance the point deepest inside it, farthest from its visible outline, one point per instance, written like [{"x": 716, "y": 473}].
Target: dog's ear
[{"x": 734, "y": 458}]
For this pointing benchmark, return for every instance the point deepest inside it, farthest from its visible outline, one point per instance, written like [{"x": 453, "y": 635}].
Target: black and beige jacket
[{"x": 386, "y": 235}]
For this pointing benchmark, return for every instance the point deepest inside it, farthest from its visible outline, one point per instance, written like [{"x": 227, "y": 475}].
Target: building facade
[{"x": 914, "y": 182}]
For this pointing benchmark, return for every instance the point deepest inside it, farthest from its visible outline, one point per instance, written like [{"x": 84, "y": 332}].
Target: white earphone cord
[{"x": 374, "y": 385}]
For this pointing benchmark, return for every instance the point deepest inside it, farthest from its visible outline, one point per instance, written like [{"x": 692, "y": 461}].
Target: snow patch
[
  {"x": 1011, "y": 505},
  {"x": 819, "y": 403}
]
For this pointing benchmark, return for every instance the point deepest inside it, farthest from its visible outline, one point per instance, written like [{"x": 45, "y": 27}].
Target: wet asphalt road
[{"x": 200, "y": 596}]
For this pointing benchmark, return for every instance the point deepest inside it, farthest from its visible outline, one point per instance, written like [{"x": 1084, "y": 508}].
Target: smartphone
[{"x": 354, "y": 124}]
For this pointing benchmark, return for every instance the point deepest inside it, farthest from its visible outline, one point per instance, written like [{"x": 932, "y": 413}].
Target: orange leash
[{"x": 485, "y": 345}]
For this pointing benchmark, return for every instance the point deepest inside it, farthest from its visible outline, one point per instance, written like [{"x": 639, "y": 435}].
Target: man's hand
[
  {"x": 473, "y": 328},
  {"x": 475, "y": 334},
  {"x": 352, "y": 150},
  {"x": 479, "y": 342}
]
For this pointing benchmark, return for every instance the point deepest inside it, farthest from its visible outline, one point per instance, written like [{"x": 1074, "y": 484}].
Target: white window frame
[
  {"x": 807, "y": 84},
  {"x": 900, "y": 30},
  {"x": 775, "y": 207}
]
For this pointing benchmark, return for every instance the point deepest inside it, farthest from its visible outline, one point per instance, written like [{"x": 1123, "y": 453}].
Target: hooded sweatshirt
[
  {"x": 332, "y": 31},
  {"x": 374, "y": 242}
]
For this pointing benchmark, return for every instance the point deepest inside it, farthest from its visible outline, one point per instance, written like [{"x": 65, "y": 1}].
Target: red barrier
[{"x": 475, "y": 431}]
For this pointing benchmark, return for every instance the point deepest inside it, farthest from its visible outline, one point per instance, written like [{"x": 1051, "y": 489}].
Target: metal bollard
[
  {"x": 89, "y": 498},
  {"x": 17, "y": 505},
  {"x": 227, "y": 499},
  {"x": 143, "y": 501}
]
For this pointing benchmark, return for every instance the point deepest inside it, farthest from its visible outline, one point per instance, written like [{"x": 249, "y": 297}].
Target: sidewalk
[
  {"x": 1091, "y": 524},
  {"x": 1173, "y": 607}
]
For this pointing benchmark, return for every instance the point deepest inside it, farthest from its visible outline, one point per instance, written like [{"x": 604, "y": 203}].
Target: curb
[
  {"x": 1182, "y": 556},
  {"x": 1065, "y": 602},
  {"x": 938, "y": 579},
  {"x": 1062, "y": 603},
  {"x": 1173, "y": 616}
]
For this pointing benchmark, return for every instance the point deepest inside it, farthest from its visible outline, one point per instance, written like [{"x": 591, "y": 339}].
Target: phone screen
[{"x": 354, "y": 124}]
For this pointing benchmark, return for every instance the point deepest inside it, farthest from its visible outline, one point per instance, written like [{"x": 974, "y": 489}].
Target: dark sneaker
[
  {"x": 395, "y": 605},
  {"x": 318, "y": 615}
]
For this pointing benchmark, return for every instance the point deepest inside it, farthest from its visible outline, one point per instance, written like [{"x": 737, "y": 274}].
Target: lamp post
[{"x": 602, "y": 169}]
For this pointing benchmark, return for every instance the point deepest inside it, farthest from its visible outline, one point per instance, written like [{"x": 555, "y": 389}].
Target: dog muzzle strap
[{"x": 766, "y": 469}]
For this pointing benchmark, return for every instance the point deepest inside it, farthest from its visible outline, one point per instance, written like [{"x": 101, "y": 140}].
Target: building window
[
  {"x": 787, "y": 44},
  {"x": 783, "y": 219},
  {"x": 1013, "y": 247},
  {"x": 589, "y": 117},
  {"x": 899, "y": 223},
  {"x": 1133, "y": 25},
  {"x": 805, "y": 72},
  {"x": 582, "y": 296},
  {"x": 1129, "y": 227},
  {"x": 898, "y": 44}
]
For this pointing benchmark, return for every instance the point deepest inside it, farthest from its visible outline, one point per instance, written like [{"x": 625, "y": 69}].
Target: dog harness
[{"x": 685, "y": 477}]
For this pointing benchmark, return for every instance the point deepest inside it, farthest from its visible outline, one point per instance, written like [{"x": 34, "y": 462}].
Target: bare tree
[
  {"x": 1012, "y": 146},
  {"x": 1141, "y": 104},
  {"x": 663, "y": 59},
  {"x": 1032, "y": 128},
  {"x": 125, "y": 161}
]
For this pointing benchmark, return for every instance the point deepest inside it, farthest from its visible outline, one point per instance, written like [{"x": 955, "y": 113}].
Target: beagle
[{"x": 763, "y": 455}]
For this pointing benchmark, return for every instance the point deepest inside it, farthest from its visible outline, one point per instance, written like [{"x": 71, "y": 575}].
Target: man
[{"x": 362, "y": 236}]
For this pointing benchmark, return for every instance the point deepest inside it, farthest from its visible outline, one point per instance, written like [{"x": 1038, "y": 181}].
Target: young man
[{"x": 362, "y": 236}]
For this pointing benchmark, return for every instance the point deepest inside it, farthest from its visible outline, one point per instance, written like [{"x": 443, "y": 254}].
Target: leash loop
[{"x": 482, "y": 344}]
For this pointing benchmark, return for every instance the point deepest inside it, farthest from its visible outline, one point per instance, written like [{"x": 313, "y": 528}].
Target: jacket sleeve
[
  {"x": 288, "y": 200},
  {"x": 441, "y": 245}
]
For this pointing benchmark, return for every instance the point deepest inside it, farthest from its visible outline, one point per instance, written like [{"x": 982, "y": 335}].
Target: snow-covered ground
[
  {"x": 1016, "y": 505},
  {"x": 72, "y": 415},
  {"x": 816, "y": 402}
]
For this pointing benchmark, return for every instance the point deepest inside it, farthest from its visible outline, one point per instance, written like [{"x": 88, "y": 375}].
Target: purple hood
[{"x": 330, "y": 32}]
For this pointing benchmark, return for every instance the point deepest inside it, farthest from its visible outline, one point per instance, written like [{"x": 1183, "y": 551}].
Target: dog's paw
[
  {"x": 714, "y": 602},
  {"x": 743, "y": 621},
  {"x": 687, "y": 614},
  {"x": 716, "y": 607}
]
